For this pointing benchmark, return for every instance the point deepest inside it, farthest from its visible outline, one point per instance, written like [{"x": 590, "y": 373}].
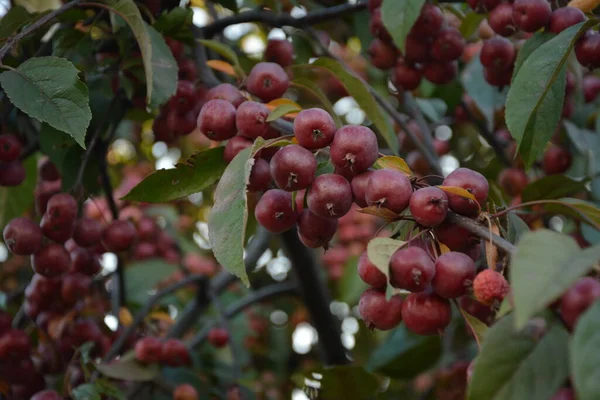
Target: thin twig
[
  {"x": 35, "y": 26},
  {"x": 413, "y": 109},
  {"x": 481, "y": 232},
  {"x": 280, "y": 20},
  {"x": 252, "y": 298}
]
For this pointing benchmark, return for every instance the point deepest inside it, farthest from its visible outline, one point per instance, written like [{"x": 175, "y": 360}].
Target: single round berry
[
  {"x": 22, "y": 236},
  {"x": 51, "y": 261},
  {"x": 513, "y": 181},
  {"x": 227, "y": 92},
  {"x": 440, "y": 73},
  {"x": 55, "y": 230},
  {"x": 455, "y": 237},
  {"x": 10, "y": 148},
  {"x": 218, "y": 337},
  {"x": 317, "y": 230},
  {"x": 564, "y": 394},
  {"x": 406, "y": 77},
  {"x": 280, "y": 52},
  {"x": 379, "y": 313},
  {"x": 48, "y": 171},
  {"x": 389, "y": 188},
  {"x": 144, "y": 250},
  {"x": 330, "y": 196},
  {"x": 62, "y": 208},
  {"x": 382, "y": 54},
  {"x": 564, "y": 17},
  {"x": 293, "y": 168},
  {"x": 497, "y": 53},
  {"x": 260, "y": 176},
  {"x": 426, "y": 313},
  {"x": 119, "y": 236},
  {"x": 587, "y": 50},
  {"x": 184, "y": 98},
  {"x": 185, "y": 392},
  {"x": 448, "y": 45},
  {"x": 12, "y": 173},
  {"x": 480, "y": 311},
  {"x": 591, "y": 88},
  {"x": 454, "y": 274},
  {"x": 148, "y": 350},
  {"x": 147, "y": 229},
  {"x": 429, "y": 206},
  {"x": 578, "y": 298},
  {"x": 274, "y": 211},
  {"x": 496, "y": 77},
  {"x": 47, "y": 395},
  {"x": 88, "y": 232},
  {"x": 501, "y": 20},
  {"x": 14, "y": 345},
  {"x": 369, "y": 273},
  {"x": 267, "y": 81},
  {"x": 557, "y": 160},
  {"x": 314, "y": 128},
  {"x": 175, "y": 354},
  {"x": 251, "y": 119},
  {"x": 85, "y": 262},
  {"x": 474, "y": 183},
  {"x": 234, "y": 146},
  {"x": 531, "y": 15},
  {"x": 75, "y": 287},
  {"x": 175, "y": 46},
  {"x": 412, "y": 269},
  {"x": 359, "y": 185},
  {"x": 429, "y": 23},
  {"x": 354, "y": 149},
  {"x": 490, "y": 287},
  {"x": 217, "y": 120}
]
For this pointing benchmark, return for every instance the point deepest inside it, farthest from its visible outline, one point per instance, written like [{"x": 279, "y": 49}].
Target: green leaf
[
  {"x": 585, "y": 364},
  {"x": 404, "y": 354},
  {"x": 487, "y": 97},
  {"x": 282, "y": 110},
  {"x": 551, "y": 187},
  {"x": 535, "y": 98},
  {"x": 477, "y": 328},
  {"x": 577, "y": 209},
  {"x": 530, "y": 45},
  {"x": 344, "y": 382},
  {"x": 226, "y": 52},
  {"x": 127, "y": 368},
  {"x": 357, "y": 89},
  {"x": 13, "y": 20},
  {"x": 159, "y": 65},
  {"x": 470, "y": 24},
  {"x": 434, "y": 109},
  {"x": 315, "y": 90},
  {"x": 380, "y": 251},
  {"x": 229, "y": 215},
  {"x": 142, "y": 277},
  {"x": 87, "y": 391},
  {"x": 545, "y": 265},
  {"x": 176, "y": 24},
  {"x": 516, "y": 227},
  {"x": 399, "y": 17},
  {"x": 519, "y": 365},
  {"x": 49, "y": 89},
  {"x": 110, "y": 390},
  {"x": 15, "y": 200},
  {"x": 199, "y": 172}
]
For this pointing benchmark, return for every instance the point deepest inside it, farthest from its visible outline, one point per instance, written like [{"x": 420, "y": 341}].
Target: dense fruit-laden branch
[
  {"x": 481, "y": 232},
  {"x": 279, "y": 20}
]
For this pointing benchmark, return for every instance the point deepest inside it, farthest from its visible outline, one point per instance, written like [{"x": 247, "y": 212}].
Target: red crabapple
[
  {"x": 227, "y": 92},
  {"x": 218, "y": 337},
  {"x": 440, "y": 73},
  {"x": 501, "y": 20},
  {"x": 280, "y": 52},
  {"x": 359, "y": 185},
  {"x": 531, "y": 15},
  {"x": 354, "y": 148},
  {"x": 217, "y": 120},
  {"x": 513, "y": 181},
  {"x": 406, "y": 77},
  {"x": 448, "y": 45},
  {"x": 330, "y": 196},
  {"x": 412, "y": 269},
  {"x": 317, "y": 230},
  {"x": 389, "y": 189},
  {"x": 429, "y": 206},
  {"x": 293, "y": 168},
  {"x": 382, "y": 54},
  {"x": 260, "y": 176},
  {"x": 587, "y": 50},
  {"x": 267, "y": 81},
  {"x": 578, "y": 298},
  {"x": 51, "y": 261},
  {"x": 22, "y": 236},
  {"x": 497, "y": 53},
  {"x": 148, "y": 350},
  {"x": 474, "y": 183},
  {"x": 379, "y": 313},
  {"x": 251, "y": 119},
  {"x": 14, "y": 345},
  {"x": 10, "y": 148},
  {"x": 426, "y": 313},
  {"x": 175, "y": 354},
  {"x": 490, "y": 287},
  {"x": 369, "y": 273},
  {"x": 119, "y": 236},
  {"x": 12, "y": 173},
  {"x": 314, "y": 128},
  {"x": 564, "y": 17},
  {"x": 234, "y": 146},
  {"x": 557, "y": 160},
  {"x": 274, "y": 211},
  {"x": 454, "y": 274},
  {"x": 429, "y": 23}
]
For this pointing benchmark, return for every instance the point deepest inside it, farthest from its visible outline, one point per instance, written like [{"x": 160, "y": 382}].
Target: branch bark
[{"x": 481, "y": 232}]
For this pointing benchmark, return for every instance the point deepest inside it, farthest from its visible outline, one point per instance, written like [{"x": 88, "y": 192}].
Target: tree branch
[
  {"x": 280, "y": 20},
  {"x": 35, "y": 26},
  {"x": 316, "y": 298},
  {"x": 252, "y": 298},
  {"x": 481, "y": 232}
]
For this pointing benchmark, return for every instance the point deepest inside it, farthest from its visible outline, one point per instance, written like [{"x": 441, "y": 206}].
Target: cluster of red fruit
[
  {"x": 171, "y": 352},
  {"x": 432, "y": 49},
  {"x": 508, "y": 18},
  {"x": 12, "y": 171}
]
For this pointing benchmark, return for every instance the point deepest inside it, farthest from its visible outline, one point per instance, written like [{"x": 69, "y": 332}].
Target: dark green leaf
[
  {"x": 530, "y": 45},
  {"x": 49, "y": 89},
  {"x": 585, "y": 364},
  {"x": 324, "y": 167},
  {"x": 487, "y": 97},
  {"x": 127, "y": 368},
  {"x": 545, "y": 265},
  {"x": 13, "y": 20},
  {"x": 14, "y": 201},
  {"x": 519, "y": 365},
  {"x": 360, "y": 25},
  {"x": 222, "y": 50},
  {"x": 535, "y": 98},
  {"x": 477, "y": 328},
  {"x": 230, "y": 4},
  {"x": 404, "y": 354},
  {"x": 110, "y": 390},
  {"x": 282, "y": 110},
  {"x": 586, "y": 142},
  {"x": 176, "y": 24},
  {"x": 551, "y": 187},
  {"x": 577, "y": 209},
  {"x": 470, "y": 24},
  {"x": 344, "y": 382},
  {"x": 516, "y": 227},
  {"x": 142, "y": 277},
  {"x": 73, "y": 45},
  {"x": 357, "y": 89},
  {"x": 399, "y": 18},
  {"x": 315, "y": 90},
  {"x": 87, "y": 391},
  {"x": 302, "y": 48},
  {"x": 380, "y": 250},
  {"x": 434, "y": 109},
  {"x": 196, "y": 174}
]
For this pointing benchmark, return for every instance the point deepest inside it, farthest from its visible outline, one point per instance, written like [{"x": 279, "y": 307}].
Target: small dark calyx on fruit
[
  {"x": 292, "y": 179},
  {"x": 331, "y": 209},
  {"x": 381, "y": 202},
  {"x": 260, "y": 120},
  {"x": 279, "y": 215},
  {"x": 350, "y": 158},
  {"x": 317, "y": 134},
  {"x": 416, "y": 276},
  {"x": 267, "y": 83}
]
